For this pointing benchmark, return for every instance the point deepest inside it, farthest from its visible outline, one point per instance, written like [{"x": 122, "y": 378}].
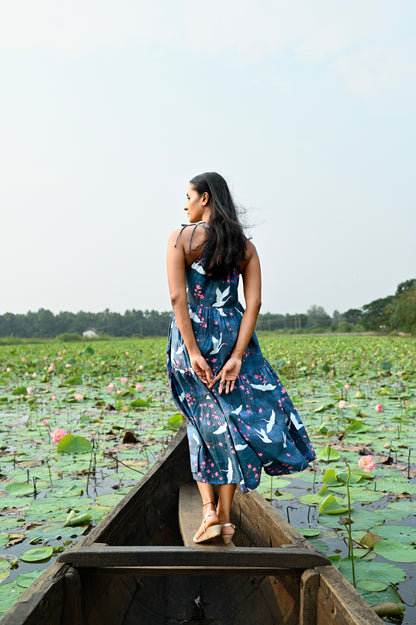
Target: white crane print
[
  {"x": 222, "y": 297},
  {"x": 216, "y": 344}
]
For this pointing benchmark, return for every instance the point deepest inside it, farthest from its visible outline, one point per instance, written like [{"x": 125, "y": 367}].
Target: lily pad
[
  {"x": 377, "y": 571},
  {"x": 19, "y": 489},
  {"x": 328, "y": 454},
  {"x": 331, "y": 505},
  {"x": 71, "y": 444},
  {"x": 395, "y": 551},
  {"x": 25, "y": 579},
  {"x": 38, "y": 554}
]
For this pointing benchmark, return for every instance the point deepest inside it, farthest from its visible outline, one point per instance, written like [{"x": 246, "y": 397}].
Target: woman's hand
[
  {"x": 202, "y": 369},
  {"x": 227, "y": 376}
]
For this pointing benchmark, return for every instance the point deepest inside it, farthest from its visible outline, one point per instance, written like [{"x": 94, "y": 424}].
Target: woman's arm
[
  {"x": 252, "y": 294},
  {"x": 177, "y": 288}
]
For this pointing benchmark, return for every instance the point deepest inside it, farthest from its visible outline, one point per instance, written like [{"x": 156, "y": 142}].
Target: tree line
[{"x": 392, "y": 313}]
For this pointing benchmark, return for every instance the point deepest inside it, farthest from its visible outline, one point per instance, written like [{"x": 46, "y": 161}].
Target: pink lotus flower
[
  {"x": 123, "y": 380},
  {"x": 23, "y": 358},
  {"x": 59, "y": 358},
  {"x": 347, "y": 387},
  {"x": 57, "y": 435},
  {"x": 45, "y": 422},
  {"x": 341, "y": 404},
  {"x": 119, "y": 392},
  {"x": 53, "y": 397},
  {"x": 141, "y": 368},
  {"x": 68, "y": 365},
  {"x": 379, "y": 408},
  {"x": 64, "y": 351},
  {"x": 110, "y": 387},
  {"x": 367, "y": 463},
  {"x": 127, "y": 353},
  {"x": 26, "y": 374},
  {"x": 51, "y": 367},
  {"x": 78, "y": 396},
  {"x": 29, "y": 390},
  {"x": 34, "y": 375},
  {"x": 8, "y": 369},
  {"x": 139, "y": 387},
  {"x": 45, "y": 358}
]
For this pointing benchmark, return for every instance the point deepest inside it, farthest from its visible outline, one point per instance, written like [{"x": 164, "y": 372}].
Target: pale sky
[{"x": 308, "y": 110}]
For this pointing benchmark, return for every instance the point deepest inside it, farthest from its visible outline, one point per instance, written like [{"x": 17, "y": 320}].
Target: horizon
[{"x": 309, "y": 112}]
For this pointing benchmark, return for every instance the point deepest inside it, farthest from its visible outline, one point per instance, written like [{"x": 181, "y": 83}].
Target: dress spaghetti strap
[{"x": 199, "y": 223}]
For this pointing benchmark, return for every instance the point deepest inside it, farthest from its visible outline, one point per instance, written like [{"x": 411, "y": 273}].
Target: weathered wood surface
[
  {"x": 190, "y": 515},
  {"x": 170, "y": 600},
  {"x": 309, "y": 584},
  {"x": 148, "y": 513},
  {"x": 72, "y": 615},
  {"x": 210, "y": 556},
  {"x": 339, "y": 603}
]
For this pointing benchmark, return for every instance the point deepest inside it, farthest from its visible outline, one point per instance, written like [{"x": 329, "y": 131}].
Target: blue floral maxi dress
[{"x": 231, "y": 437}]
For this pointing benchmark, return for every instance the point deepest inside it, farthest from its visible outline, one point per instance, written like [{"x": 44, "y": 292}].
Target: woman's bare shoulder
[
  {"x": 251, "y": 251},
  {"x": 189, "y": 236}
]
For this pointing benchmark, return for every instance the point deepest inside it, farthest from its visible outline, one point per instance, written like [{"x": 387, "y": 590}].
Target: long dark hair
[{"x": 225, "y": 246}]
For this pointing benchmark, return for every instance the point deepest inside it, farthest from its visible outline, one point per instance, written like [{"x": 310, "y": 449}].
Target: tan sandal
[
  {"x": 210, "y": 532},
  {"x": 227, "y": 538}
]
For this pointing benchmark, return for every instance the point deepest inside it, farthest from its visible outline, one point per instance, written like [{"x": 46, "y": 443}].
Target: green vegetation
[
  {"x": 82, "y": 422},
  {"x": 390, "y": 314}
]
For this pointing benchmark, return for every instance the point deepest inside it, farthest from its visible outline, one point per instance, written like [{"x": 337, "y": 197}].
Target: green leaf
[
  {"x": 19, "y": 489},
  {"x": 77, "y": 519},
  {"x": 25, "y": 579},
  {"x": 377, "y": 571},
  {"x": 395, "y": 551},
  {"x": 371, "y": 585},
  {"x": 329, "y": 478},
  {"x": 331, "y": 505},
  {"x": 76, "y": 380},
  {"x": 38, "y": 554},
  {"x": 309, "y": 533},
  {"x": 71, "y": 444},
  {"x": 175, "y": 419},
  {"x": 357, "y": 427},
  {"x": 139, "y": 403},
  {"x": 404, "y": 534},
  {"x": 328, "y": 454},
  {"x": 20, "y": 390}
]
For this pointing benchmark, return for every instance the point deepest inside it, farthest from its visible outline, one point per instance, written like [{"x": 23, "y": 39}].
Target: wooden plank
[
  {"x": 309, "y": 583},
  {"x": 97, "y": 557},
  {"x": 262, "y": 524},
  {"x": 190, "y": 517},
  {"x": 339, "y": 603},
  {"x": 72, "y": 613},
  {"x": 146, "y": 513}
]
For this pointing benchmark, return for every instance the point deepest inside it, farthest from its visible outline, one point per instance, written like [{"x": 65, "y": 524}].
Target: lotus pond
[{"x": 81, "y": 423}]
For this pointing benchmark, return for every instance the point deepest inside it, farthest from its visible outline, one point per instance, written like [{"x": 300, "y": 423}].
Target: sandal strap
[
  {"x": 228, "y": 525},
  {"x": 204, "y": 520},
  {"x": 208, "y": 503}
]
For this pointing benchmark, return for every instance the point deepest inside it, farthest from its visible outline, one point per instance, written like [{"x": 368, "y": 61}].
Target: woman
[{"x": 239, "y": 416}]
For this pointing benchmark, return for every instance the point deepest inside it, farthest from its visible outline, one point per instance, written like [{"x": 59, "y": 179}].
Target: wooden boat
[{"x": 136, "y": 567}]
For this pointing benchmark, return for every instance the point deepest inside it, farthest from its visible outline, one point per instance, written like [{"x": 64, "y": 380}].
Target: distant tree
[
  {"x": 352, "y": 315},
  {"x": 403, "y": 286},
  {"x": 403, "y": 310},
  {"x": 376, "y": 313},
  {"x": 336, "y": 317},
  {"x": 317, "y": 317}
]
